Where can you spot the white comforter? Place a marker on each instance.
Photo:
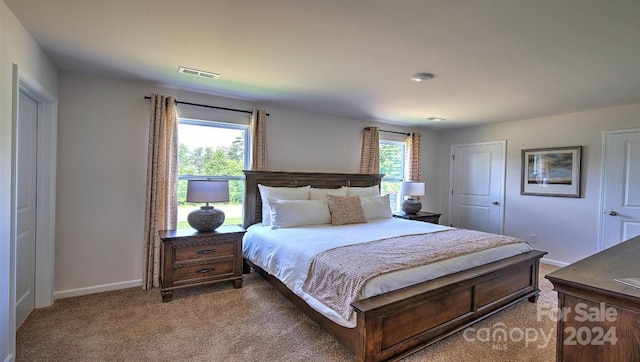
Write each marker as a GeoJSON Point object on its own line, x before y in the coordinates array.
{"type": "Point", "coordinates": [287, 255]}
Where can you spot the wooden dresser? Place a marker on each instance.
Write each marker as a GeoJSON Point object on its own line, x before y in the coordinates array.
{"type": "Point", "coordinates": [601, 319]}
{"type": "Point", "coordinates": [193, 258]}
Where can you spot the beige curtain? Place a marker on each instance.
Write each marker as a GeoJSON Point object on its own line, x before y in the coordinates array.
{"type": "Point", "coordinates": [161, 196]}
{"type": "Point", "coordinates": [413, 157]}
{"type": "Point", "coordinates": [370, 153]}
{"type": "Point", "coordinates": [258, 129]}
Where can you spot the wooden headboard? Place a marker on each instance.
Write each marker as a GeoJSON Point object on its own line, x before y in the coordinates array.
{"type": "Point", "coordinates": [253, 202]}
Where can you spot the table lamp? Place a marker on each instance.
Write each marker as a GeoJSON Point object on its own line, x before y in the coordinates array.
{"type": "Point", "coordinates": [411, 189]}
{"type": "Point", "coordinates": [207, 218]}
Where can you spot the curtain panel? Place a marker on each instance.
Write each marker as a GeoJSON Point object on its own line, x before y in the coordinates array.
{"type": "Point", "coordinates": [370, 152]}
{"type": "Point", "coordinates": [258, 129]}
{"type": "Point", "coordinates": [413, 157]}
{"type": "Point", "coordinates": [162, 182]}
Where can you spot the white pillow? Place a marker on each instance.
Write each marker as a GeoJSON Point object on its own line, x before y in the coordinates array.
{"type": "Point", "coordinates": [370, 191]}
{"type": "Point", "coordinates": [377, 207]}
{"type": "Point", "coordinates": [292, 213]}
{"type": "Point", "coordinates": [321, 194]}
{"type": "Point", "coordinates": [279, 193]}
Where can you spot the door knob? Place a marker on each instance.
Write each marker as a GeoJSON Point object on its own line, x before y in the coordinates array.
{"type": "Point", "coordinates": [496, 203]}
{"type": "Point", "coordinates": [613, 213]}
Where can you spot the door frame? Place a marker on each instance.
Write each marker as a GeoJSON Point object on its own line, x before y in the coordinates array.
{"type": "Point", "coordinates": [45, 189]}
{"type": "Point", "coordinates": [606, 135]}
{"type": "Point", "coordinates": [503, 176]}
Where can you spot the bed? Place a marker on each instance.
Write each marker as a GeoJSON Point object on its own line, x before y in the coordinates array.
{"type": "Point", "coordinates": [396, 323]}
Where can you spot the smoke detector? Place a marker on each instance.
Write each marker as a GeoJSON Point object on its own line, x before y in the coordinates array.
{"type": "Point", "coordinates": [421, 77]}
{"type": "Point", "coordinates": [198, 73]}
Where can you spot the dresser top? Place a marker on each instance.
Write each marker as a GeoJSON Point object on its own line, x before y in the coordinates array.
{"type": "Point", "coordinates": [598, 271]}
{"type": "Point", "coordinates": [180, 233]}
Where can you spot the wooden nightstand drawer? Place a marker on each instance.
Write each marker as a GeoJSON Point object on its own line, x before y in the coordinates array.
{"type": "Point", "coordinates": [211, 250]}
{"type": "Point", "coordinates": [201, 271]}
{"type": "Point", "coordinates": [195, 258]}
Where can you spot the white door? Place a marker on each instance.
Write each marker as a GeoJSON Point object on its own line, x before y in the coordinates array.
{"type": "Point", "coordinates": [26, 207]}
{"type": "Point", "coordinates": [621, 187]}
{"type": "Point", "coordinates": [477, 186]}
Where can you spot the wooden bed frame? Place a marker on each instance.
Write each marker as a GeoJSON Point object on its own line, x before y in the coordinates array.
{"type": "Point", "coordinates": [398, 323]}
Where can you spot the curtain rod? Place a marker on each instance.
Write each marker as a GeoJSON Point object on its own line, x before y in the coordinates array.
{"type": "Point", "coordinates": [396, 132]}
{"type": "Point", "coordinates": [214, 107]}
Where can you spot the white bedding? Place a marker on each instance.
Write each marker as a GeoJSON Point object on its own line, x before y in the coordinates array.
{"type": "Point", "coordinates": [287, 254]}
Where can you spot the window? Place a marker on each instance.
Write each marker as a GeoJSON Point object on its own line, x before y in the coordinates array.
{"type": "Point", "coordinates": [392, 166]}
{"type": "Point", "coordinates": [212, 150]}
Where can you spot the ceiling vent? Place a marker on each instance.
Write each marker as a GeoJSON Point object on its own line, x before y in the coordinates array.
{"type": "Point", "coordinates": [198, 73]}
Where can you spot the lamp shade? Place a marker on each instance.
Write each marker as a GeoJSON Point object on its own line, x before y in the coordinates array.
{"type": "Point", "coordinates": [207, 191]}
{"type": "Point", "coordinates": [412, 189]}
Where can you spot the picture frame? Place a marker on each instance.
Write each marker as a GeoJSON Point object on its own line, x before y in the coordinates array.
{"type": "Point", "coordinates": [551, 171]}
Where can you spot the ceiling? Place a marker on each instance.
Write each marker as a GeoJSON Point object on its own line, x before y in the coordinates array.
{"type": "Point", "coordinates": [493, 60]}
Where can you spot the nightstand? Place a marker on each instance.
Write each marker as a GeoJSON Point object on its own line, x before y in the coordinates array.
{"type": "Point", "coordinates": [191, 258]}
{"type": "Point", "coordinates": [431, 217]}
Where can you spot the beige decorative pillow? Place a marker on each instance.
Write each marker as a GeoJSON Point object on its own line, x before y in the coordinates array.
{"type": "Point", "coordinates": [345, 210]}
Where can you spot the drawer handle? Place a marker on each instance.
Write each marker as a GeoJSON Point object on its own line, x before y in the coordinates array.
{"type": "Point", "coordinates": [206, 251]}
{"type": "Point", "coordinates": [207, 270]}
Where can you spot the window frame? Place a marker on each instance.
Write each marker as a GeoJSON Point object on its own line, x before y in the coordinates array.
{"type": "Point", "coordinates": [386, 178]}
{"type": "Point", "coordinates": [246, 159]}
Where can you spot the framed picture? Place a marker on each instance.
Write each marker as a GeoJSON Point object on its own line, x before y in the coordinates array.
{"type": "Point", "coordinates": [551, 171]}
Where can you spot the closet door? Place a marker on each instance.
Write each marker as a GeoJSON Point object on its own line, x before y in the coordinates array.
{"type": "Point", "coordinates": [26, 207]}
{"type": "Point", "coordinates": [477, 186]}
{"type": "Point", "coordinates": [621, 194]}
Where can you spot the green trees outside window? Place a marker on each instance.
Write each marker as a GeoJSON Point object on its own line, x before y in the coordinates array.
{"type": "Point", "coordinates": [392, 155]}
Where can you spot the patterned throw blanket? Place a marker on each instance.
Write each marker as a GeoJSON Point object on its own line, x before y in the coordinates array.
{"type": "Point", "coordinates": [337, 276]}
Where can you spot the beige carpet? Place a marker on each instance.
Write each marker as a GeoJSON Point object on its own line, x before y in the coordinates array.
{"type": "Point", "coordinates": [254, 323]}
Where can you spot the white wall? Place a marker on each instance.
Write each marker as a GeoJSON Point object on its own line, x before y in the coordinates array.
{"type": "Point", "coordinates": [16, 47]}
{"type": "Point", "coordinates": [565, 227]}
{"type": "Point", "coordinates": [102, 158]}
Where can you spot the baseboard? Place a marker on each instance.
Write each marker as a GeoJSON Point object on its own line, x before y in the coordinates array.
{"type": "Point", "coordinates": [96, 289]}
{"type": "Point", "coordinates": [553, 262]}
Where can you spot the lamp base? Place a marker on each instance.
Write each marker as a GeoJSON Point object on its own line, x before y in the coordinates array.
{"type": "Point", "coordinates": [206, 218]}
{"type": "Point", "coordinates": [411, 206]}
